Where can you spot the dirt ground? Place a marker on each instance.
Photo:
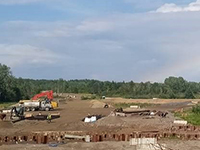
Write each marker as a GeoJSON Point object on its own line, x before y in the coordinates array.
{"type": "Point", "coordinates": [74, 110]}
{"type": "Point", "coordinates": [71, 112]}
{"type": "Point", "coordinates": [171, 144]}
{"type": "Point", "coordinates": [153, 101]}
{"type": "Point", "coordinates": [158, 104]}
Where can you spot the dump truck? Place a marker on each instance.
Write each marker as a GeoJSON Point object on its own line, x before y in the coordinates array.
{"type": "Point", "coordinates": [36, 103]}
{"type": "Point", "coordinates": [30, 105]}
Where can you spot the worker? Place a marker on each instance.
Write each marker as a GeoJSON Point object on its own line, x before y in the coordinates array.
{"type": "Point", "coordinates": [46, 100]}
{"type": "Point", "coordinates": [49, 118]}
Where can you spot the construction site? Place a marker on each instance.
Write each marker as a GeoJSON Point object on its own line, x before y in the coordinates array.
{"type": "Point", "coordinates": [64, 121]}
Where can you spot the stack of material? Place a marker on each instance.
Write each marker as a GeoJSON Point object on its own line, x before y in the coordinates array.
{"type": "Point", "coordinates": [180, 122]}
{"type": "Point", "coordinates": [6, 111]}
{"type": "Point", "coordinates": [28, 115]}
{"type": "Point", "coordinates": [86, 138]}
{"type": "Point", "coordinates": [146, 144]}
{"type": "Point", "coordinates": [135, 107]}
{"type": "Point", "coordinates": [42, 117]}
{"type": "Point", "coordinates": [131, 112]}
{"type": "Point", "coordinates": [92, 118]}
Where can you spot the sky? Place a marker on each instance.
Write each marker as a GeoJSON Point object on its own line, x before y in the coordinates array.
{"type": "Point", "coordinates": [114, 40]}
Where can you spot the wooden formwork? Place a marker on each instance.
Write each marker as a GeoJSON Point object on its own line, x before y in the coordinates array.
{"type": "Point", "coordinates": [181, 132]}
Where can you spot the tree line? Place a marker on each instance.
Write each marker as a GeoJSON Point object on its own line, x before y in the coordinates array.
{"type": "Point", "coordinates": [14, 89]}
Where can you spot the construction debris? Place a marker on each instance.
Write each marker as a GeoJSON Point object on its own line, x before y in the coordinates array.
{"type": "Point", "coordinates": [2, 116]}
{"type": "Point", "coordinates": [161, 114]}
{"type": "Point", "coordinates": [180, 122]}
{"type": "Point", "coordinates": [6, 111]}
{"type": "Point", "coordinates": [85, 138]}
{"type": "Point", "coordinates": [41, 117]}
{"type": "Point", "coordinates": [146, 144]}
{"type": "Point", "coordinates": [143, 141]}
{"type": "Point", "coordinates": [92, 118]}
{"type": "Point", "coordinates": [135, 107]}
{"type": "Point", "coordinates": [140, 112]}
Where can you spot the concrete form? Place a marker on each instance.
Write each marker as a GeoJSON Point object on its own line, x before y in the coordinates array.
{"type": "Point", "coordinates": [181, 132]}
{"type": "Point", "coordinates": [145, 144]}
{"type": "Point", "coordinates": [180, 122]}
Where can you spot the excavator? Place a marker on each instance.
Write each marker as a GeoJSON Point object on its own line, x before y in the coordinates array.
{"type": "Point", "coordinates": [17, 114]}
{"type": "Point", "coordinates": [36, 103]}
{"type": "Point", "coordinates": [48, 94]}
{"type": "Point", "coordinates": [41, 101]}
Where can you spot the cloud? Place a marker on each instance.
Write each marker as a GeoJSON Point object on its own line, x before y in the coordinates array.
{"type": "Point", "coordinates": [167, 8]}
{"type": "Point", "coordinates": [16, 55]}
{"type": "Point", "coordinates": [144, 4]}
{"type": "Point", "coordinates": [99, 26]}
{"type": "Point", "coordinates": [138, 47]}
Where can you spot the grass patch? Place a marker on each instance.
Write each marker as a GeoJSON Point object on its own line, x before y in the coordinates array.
{"type": "Point", "coordinates": [127, 105]}
{"type": "Point", "coordinates": [88, 97]}
{"type": "Point", "coordinates": [6, 105]}
{"type": "Point", "coordinates": [192, 116]}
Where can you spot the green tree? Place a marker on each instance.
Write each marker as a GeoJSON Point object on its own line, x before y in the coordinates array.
{"type": "Point", "coordinates": [189, 94]}
{"type": "Point", "coordinates": [176, 84]}
{"type": "Point", "coordinates": [7, 92]}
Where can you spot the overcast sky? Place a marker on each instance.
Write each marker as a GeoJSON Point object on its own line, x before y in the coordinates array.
{"type": "Point", "coordinates": [116, 40]}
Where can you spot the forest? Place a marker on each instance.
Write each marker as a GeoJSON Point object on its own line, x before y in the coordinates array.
{"type": "Point", "coordinates": [13, 89]}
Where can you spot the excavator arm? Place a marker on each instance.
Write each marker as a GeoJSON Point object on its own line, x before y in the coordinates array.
{"type": "Point", "coordinates": [48, 94]}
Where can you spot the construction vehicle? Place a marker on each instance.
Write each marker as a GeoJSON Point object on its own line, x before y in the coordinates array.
{"type": "Point", "coordinates": [47, 94]}
{"type": "Point", "coordinates": [36, 103]}
{"type": "Point", "coordinates": [17, 113]}
{"type": "Point", "coordinates": [49, 97]}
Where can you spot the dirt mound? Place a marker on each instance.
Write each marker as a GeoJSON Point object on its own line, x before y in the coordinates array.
{"type": "Point", "coordinates": [79, 126]}
{"type": "Point", "coordinates": [110, 121]}
{"type": "Point", "coordinates": [6, 124]}
{"type": "Point", "coordinates": [97, 104]}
